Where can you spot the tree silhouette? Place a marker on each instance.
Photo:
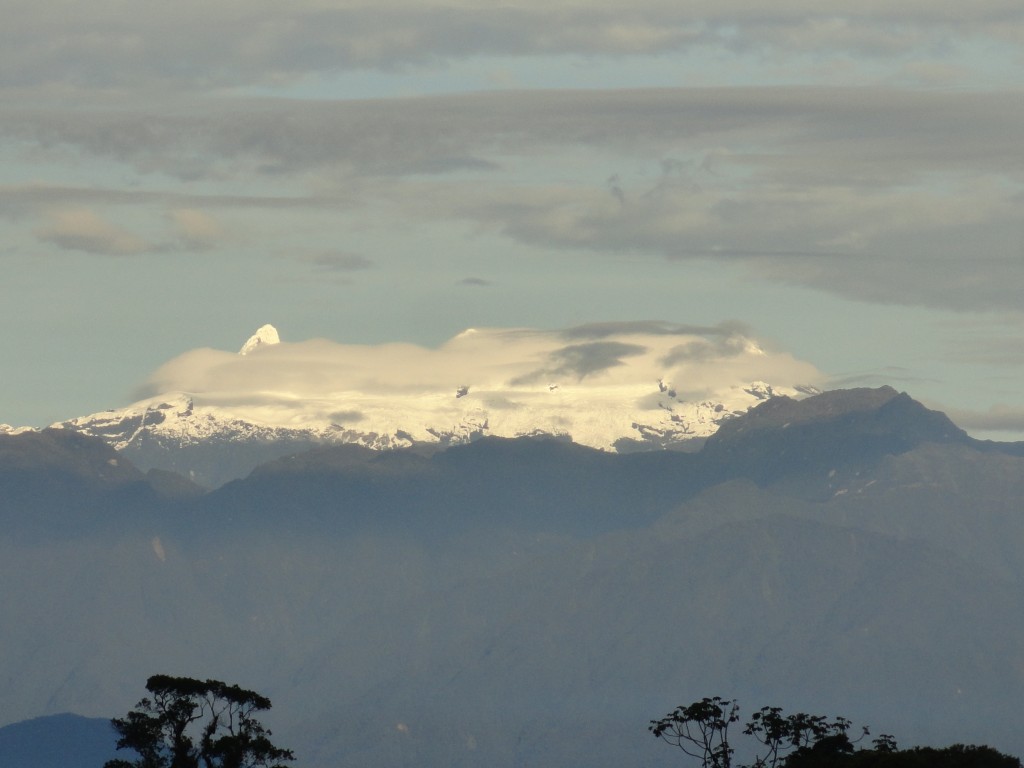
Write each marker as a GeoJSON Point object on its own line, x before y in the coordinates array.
{"type": "Point", "coordinates": [701, 730]}
{"type": "Point", "coordinates": [187, 723]}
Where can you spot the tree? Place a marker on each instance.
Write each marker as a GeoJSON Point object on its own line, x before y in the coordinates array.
{"type": "Point", "coordinates": [187, 723]}
{"type": "Point", "coordinates": [701, 730]}
{"type": "Point", "coordinates": [956, 756]}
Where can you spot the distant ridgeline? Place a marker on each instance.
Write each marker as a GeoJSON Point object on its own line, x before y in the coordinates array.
{"type": "Point", "coordinates": [533, 601]}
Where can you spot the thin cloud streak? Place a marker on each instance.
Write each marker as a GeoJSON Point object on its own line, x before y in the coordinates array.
{"type": "Point", "coordinates": [997, 418]}
{"type": "Point", "coordinates": [81, 229]}
{"type": "Point", "coordinates": [109, 43]}
{"type": "Point", "coordinates": [795, 134]}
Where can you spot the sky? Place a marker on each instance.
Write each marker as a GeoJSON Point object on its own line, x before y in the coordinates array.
{"type": "Point", "coordinates": [843, 180]}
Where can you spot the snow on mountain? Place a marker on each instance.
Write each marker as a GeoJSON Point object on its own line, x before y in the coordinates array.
{"type": "Point", "coordinates": [264, 336]}
{"type": "Point", "coordinates": [7, 429]}
{"type": "Point", "coordinates": [616, 386]}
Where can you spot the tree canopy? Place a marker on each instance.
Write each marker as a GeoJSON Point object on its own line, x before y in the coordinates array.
{"type": "Point", "coordinates": [187, 723]}
{"type": "Point", "coordinates": [701, 730]}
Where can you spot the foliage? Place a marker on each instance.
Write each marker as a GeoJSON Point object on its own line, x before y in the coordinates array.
{"type": "Point", "coordinates": [956, 756]}
{"type": "Point", "coordinates": [701, 730]}
{"type": "Point", "coordinates": [187, 723]}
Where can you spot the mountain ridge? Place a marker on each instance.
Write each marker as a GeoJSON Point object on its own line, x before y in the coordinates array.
{"type": "Point", "coordinates": [534, 601]}
{"type": "Point", "coordinates": [812, 446]}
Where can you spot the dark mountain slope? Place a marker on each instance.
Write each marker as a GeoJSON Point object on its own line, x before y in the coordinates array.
{"type": "Point", "coordinates": [523, 484]}
{"type": "Point", "coordinates": [521, 602]}
{"type": "Point", "coordinates": [36, 459]}
{"type": "Point", "coordinates": [587, 641]}
{"type": "Point", "coordinates": [560, 487]}
{"type": "Point", "coordinates": [58, 741]}
{"type": "Point", "coordinates": [57, 484]}
{"type": "Point", "coordinates": [783, 438]}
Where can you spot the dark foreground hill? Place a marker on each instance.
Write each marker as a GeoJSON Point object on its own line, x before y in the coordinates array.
{"type": "Point", "coordinates": [57, 741]}
{"type": "Point", "coordinates": [536, 603]}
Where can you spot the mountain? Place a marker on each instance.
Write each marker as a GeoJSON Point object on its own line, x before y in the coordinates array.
{"type": "Point", "coordinates": [533, 601]}
{"type": "Point", "coordinates": [58, 741]}
{"type": "Point", "coordinates": [57, 482]}
{"type": "Point", "coordinates": [809, 447]}
{"type": "Point", "coordinates": [784, 438]}
{"type": "Point", "coordinates": [605, 388]}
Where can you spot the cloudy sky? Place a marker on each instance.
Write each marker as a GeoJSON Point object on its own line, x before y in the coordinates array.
{"type": "Point", "coordinates": [843, 179]}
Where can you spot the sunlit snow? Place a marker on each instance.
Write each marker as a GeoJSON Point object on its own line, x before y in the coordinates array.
{"type": "Point", "coordinates": [655, 383]}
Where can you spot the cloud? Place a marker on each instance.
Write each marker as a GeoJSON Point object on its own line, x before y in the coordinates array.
{"type": "Point", "coordinates": [792, 134]}
{"type": "Point", "coordinates": [707, 349]}
{"type": "Point", "coordinates": [998, 418]}
{"type": "Point", "coordinates": [196, 229]}
{"type": "Point", "coordinates": [874, 194]}
{"type": "Point", "coordinates": [19, 200]}
{"type": "Point", "coordinates": [581, 360]}
{"type": "Point", "coordinates": [889, 375]}
{"type": "Point", "coordinates": [889, 245]}
{"type": "Point", "coordinates": [506, 366]}
{"type": "Point", "coordinates": [105, 44]}
{"type": "Point", "coordinates": [989, 347]}
{"type": "Point", "coordinates": [340, 262]}
{"type": "Point", "coordinates": [80, 229]}
{"type": "Point", "coordinates": [653, 328]}
{"type": "Point", "coordinates": [504, 382]}
{"type": "Point", "coordinates": [346, 417]}
{"type": "Point", "coordinates": [475, 282]}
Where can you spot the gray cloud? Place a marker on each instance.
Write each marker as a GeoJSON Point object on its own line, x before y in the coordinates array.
{"type": "Point", "coordinates": [987, 349]}
{"type": "Point", "coordinates": [998, 418]}
{"type": "Point", "coordinates": [19, 200]}
{"type": "Point", "coordinates": [702, 350]}
{"type": "Point", "coordinates": [873, 194]}
{"type": "Point", "coordinates": [653, 328]}
{"type": "Point", "coordinates": [346, 417]}
{"type": "Point", "coordinates": [889, 375]}
{"type": "Point", "coordinates": [787, 135]}
{"type": "Point", "coordinates": [499, 402]}
{"type": "Point", "coordinates": [195, 229]}
{"type": "Point", "coordinates": [475, 282]}
{"type": "Point", "coordinates": [582, 360]}
{"type": "Point", "coordinates": [81, 229]}
{"type": "Point", "coordinates": [341, 262]}
{"type": "Point", "coordinates": [102, 44]}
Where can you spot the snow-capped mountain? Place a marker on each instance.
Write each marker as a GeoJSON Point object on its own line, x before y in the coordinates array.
{"type": "Point", "coordinates": [7, 429]}
{"type": "Point", "coordinates": [618, 387]}
{"type": "Point", "coordinates": [264, 336]}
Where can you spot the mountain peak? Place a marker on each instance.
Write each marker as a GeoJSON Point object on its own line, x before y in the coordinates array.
{"type": "Point", "coordinates": [785, 437]}
{"type": "Point", "coordinates": [265, 336]}
{"type": "Point", "coordinates": [783, 411]}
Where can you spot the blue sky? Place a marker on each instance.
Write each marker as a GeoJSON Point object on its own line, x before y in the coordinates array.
{"type": "Point", "coordinates": [844, 179]}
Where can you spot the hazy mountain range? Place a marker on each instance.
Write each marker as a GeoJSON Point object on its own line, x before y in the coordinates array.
{"type": "Point", "coordinates": [513, 602]}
